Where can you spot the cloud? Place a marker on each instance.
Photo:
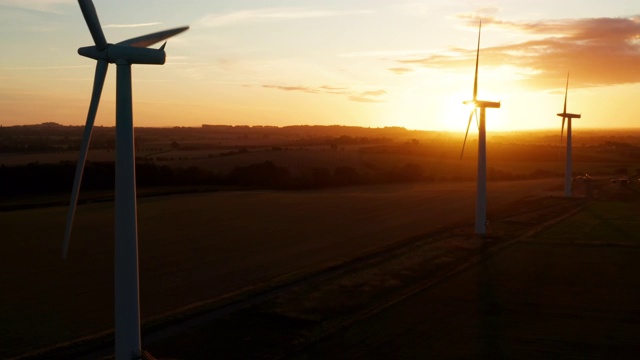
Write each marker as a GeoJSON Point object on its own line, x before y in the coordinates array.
{"type": "Point", "coordinates": [385, 53]}
{"type": "Point", "coordinates": [293, 88]}
{"type": "Point", "coordinates": [363, 99]}
{"type": "Point", "coordinates": [400, 70]}
{"type": "Point", "coordinates": [44, 67]}
{"type": "Point", "coordinates": [598, 51]}
{"type": "Point", "coordinates": [372, 96]}
{"type": "Point", "coordinates": [118, 26]}
{"type": "Point", "coordinates": [374, 93]}
{"type": "Point", "coordinates": [368, 96]}
{"type": "Point", "coordinates": [37, 5]}
{"type": "Point", "coordinates": [275, 14]}
{"type": "Point", "coordinates": [336, 90]}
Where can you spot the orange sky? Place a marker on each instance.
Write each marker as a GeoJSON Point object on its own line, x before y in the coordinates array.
{"type": "Point", "coordinates": [367, 63]}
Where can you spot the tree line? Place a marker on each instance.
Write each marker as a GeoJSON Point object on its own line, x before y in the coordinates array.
{"type": "Point", "coordinates": [36, 178]}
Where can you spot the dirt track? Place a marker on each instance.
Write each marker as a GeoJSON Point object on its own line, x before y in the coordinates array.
{"type": "Point", "coordinates": [198, 247]}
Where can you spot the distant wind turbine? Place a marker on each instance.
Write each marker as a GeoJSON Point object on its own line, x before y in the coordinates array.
{"type": "Point", "coordinates": [481, 187]}
{"type": "Point", "coordinates": [123, 54]}
{"type": "Point", "coordinates": [568, 170]}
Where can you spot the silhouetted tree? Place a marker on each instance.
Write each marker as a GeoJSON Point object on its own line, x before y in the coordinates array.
{"type": "Point", "coordinates": [321, 177]}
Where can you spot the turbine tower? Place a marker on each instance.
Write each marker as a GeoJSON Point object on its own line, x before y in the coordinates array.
{"type": "Point", "coordinates": [568, 169]}
{"type": "Point", "coordinates": [481, 187]}
{"type": "Point", "coordinates": [123, 54]}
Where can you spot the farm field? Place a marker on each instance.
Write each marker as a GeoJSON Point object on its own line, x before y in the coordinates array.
{"type": "Point", "coordinates": [199, 247]}
{"type": "Point", "coordinates": [570, 291]}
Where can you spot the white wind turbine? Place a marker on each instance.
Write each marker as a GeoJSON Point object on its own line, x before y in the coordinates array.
{"type": "Point", "coordinates": [123, 54]}
{"type": "Point", "coordinates": [568, 170]}
{"type": "Point", "coordinates": [481, 187]}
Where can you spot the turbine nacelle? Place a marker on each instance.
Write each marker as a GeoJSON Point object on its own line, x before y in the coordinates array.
{"type": "Point", "coordinates": [483, 103]}
{"type": "Point", "coordinates": [114, 53]}
{"type": "Point", "coordinates": [570, 116]}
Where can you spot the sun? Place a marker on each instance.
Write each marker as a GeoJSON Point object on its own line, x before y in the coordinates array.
{"type": "Point", "coordinates": [434, 101]}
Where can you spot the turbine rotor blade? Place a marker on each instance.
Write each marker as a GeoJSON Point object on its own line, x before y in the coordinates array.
{"type": "Point", "coordinates": [150, 39]}
{"type": "Point", "coordinates": [467, 133]}
{"type": "Point", "coordinates": [475, 111]}
{"type": "Point", "coordinates": [475, 79]}
{"type": "Point", "coordinates": [561, 133]}
{"type": "Point", "coordinates": [101, 73]}
{"type": "Point", "coordinates": [91, 18]}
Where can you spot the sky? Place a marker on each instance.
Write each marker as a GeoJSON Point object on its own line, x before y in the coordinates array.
{"type": "Point", "coordinates": [372, 63]}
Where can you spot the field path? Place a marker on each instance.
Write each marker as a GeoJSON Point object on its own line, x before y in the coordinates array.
{"type": "Point", "coordinates": [197, 247]}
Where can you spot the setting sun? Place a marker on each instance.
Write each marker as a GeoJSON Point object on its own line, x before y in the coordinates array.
{"type": "Point", "coordinates": [312, 66]}
{"type": "Point", "coordinates": [319, 179]}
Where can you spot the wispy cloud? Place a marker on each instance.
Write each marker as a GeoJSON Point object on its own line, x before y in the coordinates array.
{"type": "Point", "coordinates": [372, 96]}
{"type": "Point", "coordinates": [400, 70]}
{"type": "Point", "coordinates": [37, 5]}
{"type": "Point", "coordinates": [275, 14]}
{"type": "Point", "coordinates": [599, 51]}
{"type": "Point", "coordinates": [373, 93]}
{"type": "Point", "coordinates": [385, 53]}
{"type": "Point", "coordinates": [293, 88]}
{"type": "Point", "coordinates": [363, 99]}
{"type": "Point", "coordinates": [44, 67]}
{"type": "Point", "coordinates": [368, 96]}
{"type": "Point", "coordinates": [131, 25]}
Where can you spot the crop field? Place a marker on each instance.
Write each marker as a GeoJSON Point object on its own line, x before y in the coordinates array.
{"type": "Point", "coordinates": [199, 247]}
{"type": "Point", "coordinates": [205, 247]}
{"type": "Point", "coordinates": [568, 292]}
{"type": "Point", "coordinates": [52, 158]}
{"type": "Point", "coordinates": [604, 223]}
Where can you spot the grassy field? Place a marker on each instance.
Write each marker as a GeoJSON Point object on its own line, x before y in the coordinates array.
{"type": "Point", "coordinates": [605, 222]}
{"type": "Point", "coordinates": [203, 246]}
{"type": "Point", "coordinates": [568, 292]}
{"type": "Point", "coordinates": [199, 247]}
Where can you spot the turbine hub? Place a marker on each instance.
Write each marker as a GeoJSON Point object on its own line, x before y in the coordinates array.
{"type": "Point", "coordinates": [569, 115]}
{"type": "Point", "coordinates": [483, 103]}
{"type": "Point", "coordinates": [487, 104]}
{"type": "Point", "coordinates": [92, 52]}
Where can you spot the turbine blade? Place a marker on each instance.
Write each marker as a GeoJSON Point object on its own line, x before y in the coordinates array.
{"type": "Point", "coordinates": [467, 133]}
{"type": "Point", "coordinates": [101, 73]}
{"type": "Point", "coordinates": [475, 79]}
{"type": "Point", "coordinates": [561, 133]}
{"type": "Point", "coordinates": [475, 111]}
{"type": "Point", "coordinates": [91, 18]}
{"type": "Point", "coordinates": [150, 39]}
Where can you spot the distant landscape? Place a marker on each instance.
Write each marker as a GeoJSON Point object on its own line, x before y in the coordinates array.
{"type": "Point", "coordinates": [227, 213]}
{"type": "Point", "coordinates": [299, 157]}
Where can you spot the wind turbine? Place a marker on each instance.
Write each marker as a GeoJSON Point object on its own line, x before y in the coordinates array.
{"type": "Point", "coordinates": [568, 170]}
{"type": "Point", "coordinates": [481, 187]}
{"type": "Point", "coordinates": [123, 54]}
